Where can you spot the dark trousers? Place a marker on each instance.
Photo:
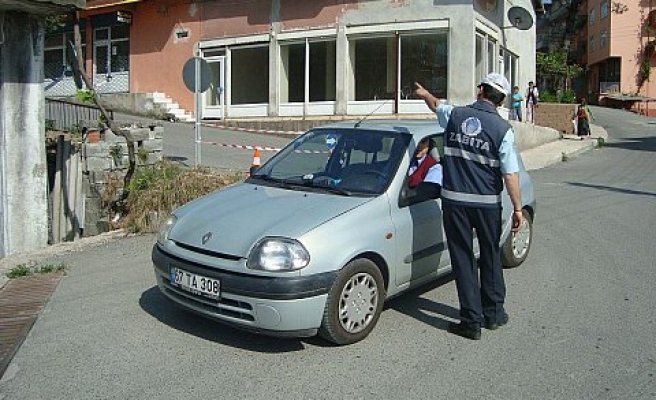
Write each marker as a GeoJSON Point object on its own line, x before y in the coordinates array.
{"type": "Point", "coordinates": [484, 298]}
{"type": "Point", "coordinates": [583, 127]}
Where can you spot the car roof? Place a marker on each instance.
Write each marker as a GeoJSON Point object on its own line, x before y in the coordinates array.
{"type": "Point", "coordinates": [418, 128]}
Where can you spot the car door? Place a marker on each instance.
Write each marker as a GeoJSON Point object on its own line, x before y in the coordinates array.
{"type": "Point", "coordinates": [420, 239]}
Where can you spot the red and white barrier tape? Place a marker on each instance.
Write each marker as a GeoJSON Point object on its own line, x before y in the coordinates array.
{"type": "Point", "coordinates": [263, 148]}
{"type": "Point", "coordinates": [234, 128]}
{"type": "Point", "coordinates": [243, 147]}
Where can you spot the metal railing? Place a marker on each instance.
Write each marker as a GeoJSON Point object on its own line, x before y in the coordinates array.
{"type": "Point", "coordinates": [609, 87]}
{"type": "Point", "coordinates": [66, 115]}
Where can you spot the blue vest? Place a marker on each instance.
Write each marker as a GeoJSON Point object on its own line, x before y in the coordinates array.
{"type": "Point", "coordinates": [472, 166]}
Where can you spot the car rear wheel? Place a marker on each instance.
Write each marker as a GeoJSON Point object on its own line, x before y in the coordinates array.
{"type": "Point", "coordinates": [354, 303]}
{"type": "Point", "coordinates": [517, 245]}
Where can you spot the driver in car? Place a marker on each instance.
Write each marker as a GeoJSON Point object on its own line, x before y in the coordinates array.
{"type": "Point", "coordinates": [425, 172]}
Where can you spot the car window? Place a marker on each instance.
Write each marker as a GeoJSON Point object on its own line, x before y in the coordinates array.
{"type": "Point", "coordinates": [354, 160]}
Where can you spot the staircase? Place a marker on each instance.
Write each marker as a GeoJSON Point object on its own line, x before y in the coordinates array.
{"type": "Point", "coordinates": [172, 108]}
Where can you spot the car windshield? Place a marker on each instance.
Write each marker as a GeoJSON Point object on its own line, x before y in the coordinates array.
{"type": "Point", "coordinates": [345, 161]}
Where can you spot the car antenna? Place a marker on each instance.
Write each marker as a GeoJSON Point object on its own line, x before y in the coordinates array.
{"type": "Point", "coordinates": [357, 124]}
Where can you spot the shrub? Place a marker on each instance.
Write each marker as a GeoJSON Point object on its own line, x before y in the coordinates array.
{"type": "Point", "coordinates": [157, 190]}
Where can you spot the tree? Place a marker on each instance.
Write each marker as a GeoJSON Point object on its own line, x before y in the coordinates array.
{"type": "Point", "coordinates": [557, 70]}
{"type": "Point", "coordinates": [79, 69]}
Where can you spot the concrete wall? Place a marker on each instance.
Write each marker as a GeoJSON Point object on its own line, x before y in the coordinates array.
{"type": "Point", "coordinates": [23, 171]}
{"type": "Point", "coordinates": [555, 115]}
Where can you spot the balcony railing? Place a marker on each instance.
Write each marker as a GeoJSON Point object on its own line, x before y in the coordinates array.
{"type": "Point", "coordinates": [66, 115]}
{"type": "Point", "coordinates": [609, 87]}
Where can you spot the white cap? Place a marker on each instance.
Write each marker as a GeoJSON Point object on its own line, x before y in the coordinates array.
{"type": "Point", "coordinates": [498, 82]}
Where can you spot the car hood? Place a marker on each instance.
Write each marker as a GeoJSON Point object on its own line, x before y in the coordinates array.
{"type": "Point", "coordinates": [240, 215]}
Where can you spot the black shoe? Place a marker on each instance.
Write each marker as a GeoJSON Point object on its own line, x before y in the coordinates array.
{"type": "Point", "coordinates": [492, 325]}
{"type": "Point", "coordinates": [465, 331]}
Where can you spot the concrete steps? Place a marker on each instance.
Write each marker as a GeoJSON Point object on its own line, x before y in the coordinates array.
{"type": "Point", "coordinates": [172, 108]}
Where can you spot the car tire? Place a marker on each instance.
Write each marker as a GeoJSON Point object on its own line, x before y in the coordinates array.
{"type": "Point", "coordinates": [354, 303]}
{"type": "Point", "coordinates": [517, 245]}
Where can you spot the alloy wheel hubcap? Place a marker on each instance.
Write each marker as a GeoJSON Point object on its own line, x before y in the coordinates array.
{"type": "Point", "coordinates": [521, 240]}
{"type": "Point", "coordinates": [358, 302]}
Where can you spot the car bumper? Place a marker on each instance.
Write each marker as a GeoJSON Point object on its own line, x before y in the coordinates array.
{"type": "Point", "coordinates": [270, 305]}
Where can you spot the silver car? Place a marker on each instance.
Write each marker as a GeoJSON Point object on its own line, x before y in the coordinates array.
{"type": "Point", "coordinates": [319, 237]}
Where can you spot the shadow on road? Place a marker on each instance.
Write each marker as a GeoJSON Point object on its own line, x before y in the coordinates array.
{"type": "Point", "coordinates": [611, 189]}
{"type": "Point", "coordinates": [156, 304]}
{"type": "Point", "coordinates": [425, 310]}
{"type": "Point", "coordinates": [647, 143]}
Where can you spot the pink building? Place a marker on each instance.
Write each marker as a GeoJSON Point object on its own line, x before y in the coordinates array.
{"type": "Point", "coordinates": [621, 37]}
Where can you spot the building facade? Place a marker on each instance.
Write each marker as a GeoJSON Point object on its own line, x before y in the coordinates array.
{"type": "Point", "coordinates": [284, 58]}
{"type": "Point", "coordinates": [614, 41]}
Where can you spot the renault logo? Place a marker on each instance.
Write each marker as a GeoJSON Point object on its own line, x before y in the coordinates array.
{"type": "Point", "coordinates": [206, 237]}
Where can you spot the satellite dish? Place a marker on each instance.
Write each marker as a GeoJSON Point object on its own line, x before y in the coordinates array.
{"type": "Point", "coordinates": [520, 18]}
{"type": "Point", "coordinates": [71, 57]}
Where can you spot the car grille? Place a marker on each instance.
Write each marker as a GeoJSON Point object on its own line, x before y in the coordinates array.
{"type": "Point", "coordinates": [223, 307]}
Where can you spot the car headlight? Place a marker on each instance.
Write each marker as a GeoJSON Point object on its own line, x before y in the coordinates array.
{"type": "Point", "coordinates": [278, 254]}
{"type": "Point", "coordinates": [165, 229]}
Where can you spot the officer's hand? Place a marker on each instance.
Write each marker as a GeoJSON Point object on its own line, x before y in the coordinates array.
{"type": "Point", "coordinates": [518, 221]}
{"type": "Point", "coordinates": [420, 91]}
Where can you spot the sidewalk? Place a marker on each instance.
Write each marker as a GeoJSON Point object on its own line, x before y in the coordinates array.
{"type": "Point", "coordinates": [560, 150]}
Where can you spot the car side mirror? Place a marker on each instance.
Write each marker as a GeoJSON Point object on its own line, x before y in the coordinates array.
{"type": "Point", "coordinates": [406, 196]}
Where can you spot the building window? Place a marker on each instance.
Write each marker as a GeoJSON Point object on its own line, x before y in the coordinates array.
{"type": "Point", "coordinates": [421, 57]}
{"type": "Point", "coordinates": [55, 61]}
{"type": "Point", "coordinates": [603, 39]}
{"type": "Point", "coordinates": [112, 49]}
{"type": "Point", "coordinates": [319, 71]}
{"type": "Point", "coordinates": [593, 17]}
{"type": "Point", "coordinates": [424, 59]}
{"type": "Point", "coordinates": [593, 45]}
{"type": "Point", "coordinates": [249, 75]}
{"type": "Point", "coordinates": [374, 68]}
{"type": "Point", "coordinates": [485, 55]}
{"type": "Point", "coordinates": [603, 10]}
{"type": "Point", "coordinates": [510, 65]}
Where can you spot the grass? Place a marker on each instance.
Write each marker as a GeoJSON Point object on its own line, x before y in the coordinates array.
{"type": "Point", "coordinates": [19, 271]}
{"type": "Point", "coordinates": [23, 270]}
{"type": "Point", "coordinates": [157, 190]}
{"type": "Point", "coordinates": [601, 142]}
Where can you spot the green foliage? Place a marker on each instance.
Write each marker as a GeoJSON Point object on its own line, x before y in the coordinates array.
{"type": "Point", "coordinates": [566, 96]}
{"type": "Point", "coordinates": [555, 66]}
{"type": "Point", "coordinates": [50, 268]}
{"type": "Point", "coordinates": [601, 142]}
{"type": "Point", "coordinates": [142, 155]}
{"type": "Point", "coordinates": [85, 95]}
{"type": "Point", "coordinates": [116, 152]}
{"type": "Point", "coordinates": [645, 70]}
{"type": "Point", "coordinates": [19, 271]}
{"type": "Point", "coordinates": [55, 22]}
{"type": "Point", "coordinates": [548, 97]}
{"type": "Point", "coordinates": [157, 190]}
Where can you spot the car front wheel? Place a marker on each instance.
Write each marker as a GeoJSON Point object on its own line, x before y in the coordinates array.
{"type": "Point", "coordinates": [354, 303]}
{"type": "Point", "coordinates": [516, 247]}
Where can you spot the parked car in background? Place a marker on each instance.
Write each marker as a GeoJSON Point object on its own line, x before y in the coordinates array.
{"type": "Point", "coordinates": [319, 237]}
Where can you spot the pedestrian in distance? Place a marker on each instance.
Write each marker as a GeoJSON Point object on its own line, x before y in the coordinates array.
{"type": "Point", "coordinates": [532, 99]}
{"type": "Point", "coordinates": [479, 158]}
{"type": "Point", "coordinates": [583, 116]}
{"type": "Point", "coordinates": [516, 109]}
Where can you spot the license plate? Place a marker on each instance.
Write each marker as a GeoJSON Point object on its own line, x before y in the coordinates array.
{"type": "Point", "coordinates": [197, 284]}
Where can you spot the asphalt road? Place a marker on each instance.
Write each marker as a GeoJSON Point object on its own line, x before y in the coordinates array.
{"type": "Point", "coordinates": [581, 308]}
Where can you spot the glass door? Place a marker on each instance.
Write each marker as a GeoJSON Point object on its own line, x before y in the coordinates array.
{"type": "Point", "coordinates": [213, 99]}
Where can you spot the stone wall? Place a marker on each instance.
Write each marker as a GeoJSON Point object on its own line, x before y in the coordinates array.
{"type": "Point", "coordinates": [556, 115]}
{"type": "Point", "coordinates": [109, 156]}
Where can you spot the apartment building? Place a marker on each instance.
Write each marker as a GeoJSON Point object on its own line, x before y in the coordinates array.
{"type": "Point", "coordinates": [285, 58]}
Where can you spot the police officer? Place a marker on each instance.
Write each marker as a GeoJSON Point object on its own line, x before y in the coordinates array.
{"type": "Point", "coordinates": [479, 157]}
